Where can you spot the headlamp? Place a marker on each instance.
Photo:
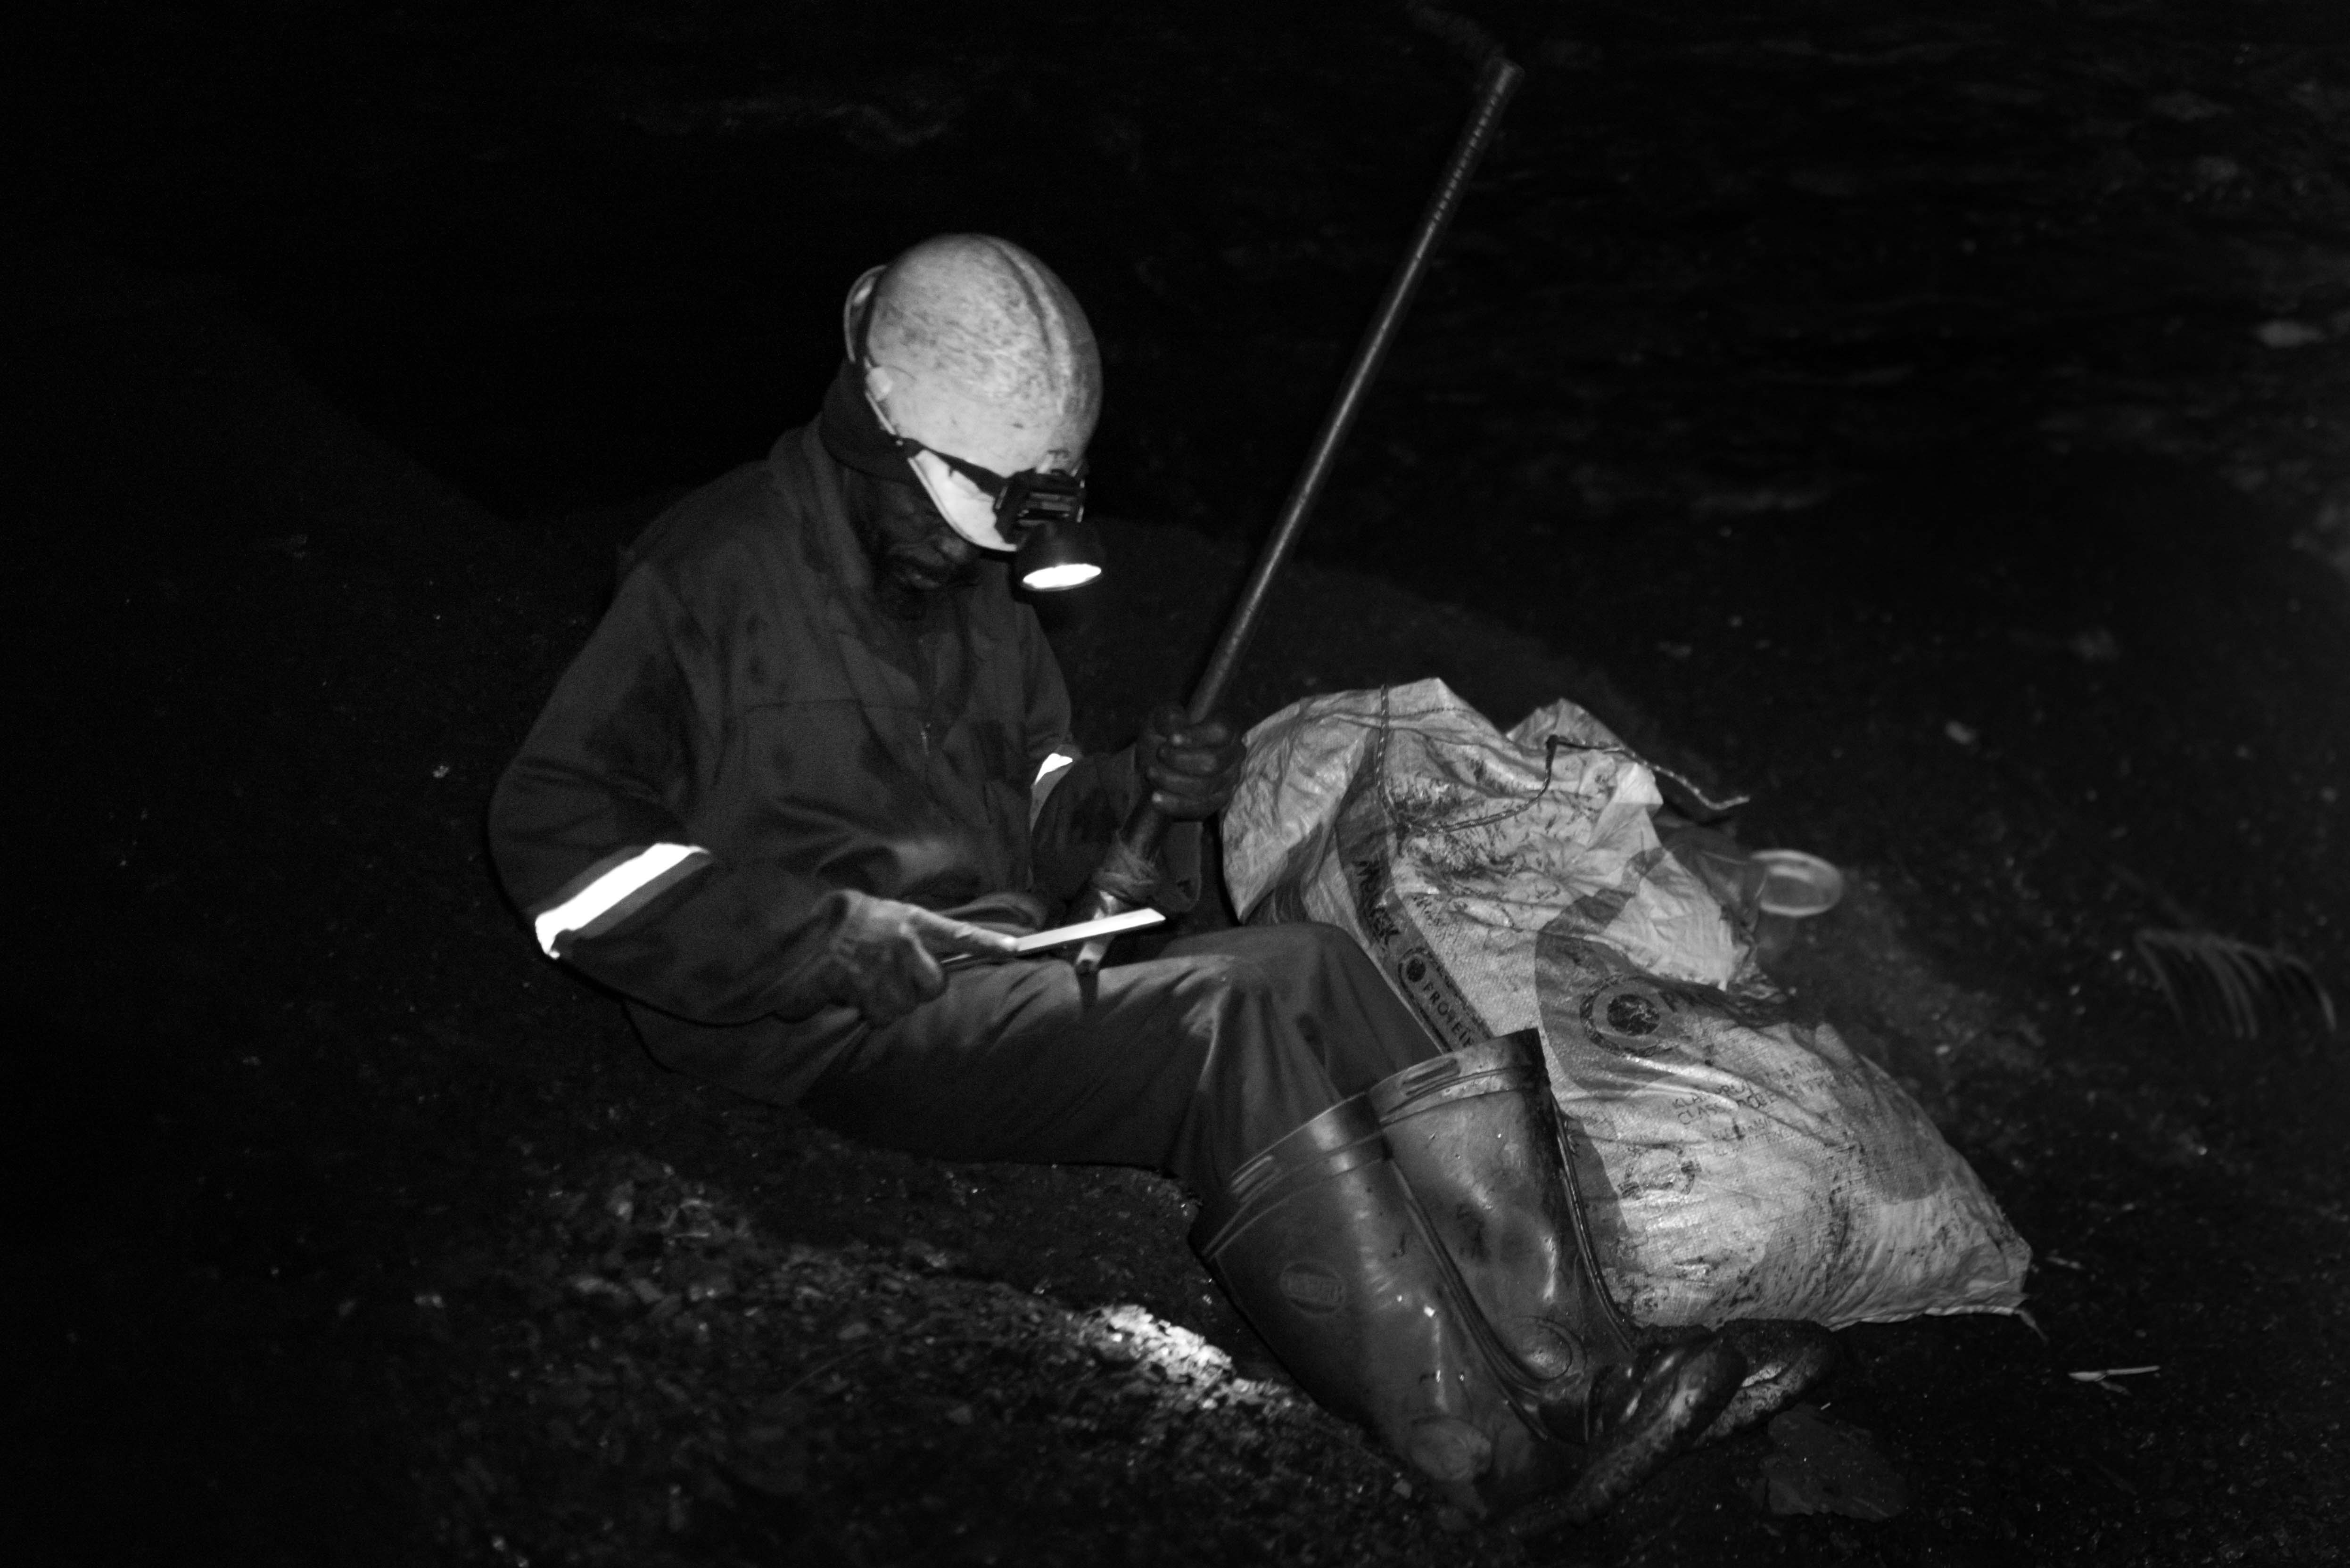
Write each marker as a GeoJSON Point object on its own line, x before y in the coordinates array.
{"type": "Point", "coordinates": [1039, 515]}
{"type": "Point", "coordinates": [1046, 512]}
{"type": "Point", "coordinates": [1042, 515]}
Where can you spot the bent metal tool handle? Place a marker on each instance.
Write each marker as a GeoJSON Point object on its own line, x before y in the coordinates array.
{"type": "Point", "coordinates": [1145, 827]}
{"type": "Point", "coordinates": [1500, 79]}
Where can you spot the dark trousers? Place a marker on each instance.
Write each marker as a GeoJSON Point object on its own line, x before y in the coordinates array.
{"type": "Point", "coordinates": [1189, 1063]}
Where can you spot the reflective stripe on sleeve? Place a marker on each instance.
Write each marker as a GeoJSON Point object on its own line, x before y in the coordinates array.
{"type": "Point", "coordinates": [612, 890]}
{"type": "Point", "coordinates": [1048, 773]}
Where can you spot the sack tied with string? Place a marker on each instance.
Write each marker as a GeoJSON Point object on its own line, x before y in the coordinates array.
{"type": "Point", "coordinates": [1734, 1162]}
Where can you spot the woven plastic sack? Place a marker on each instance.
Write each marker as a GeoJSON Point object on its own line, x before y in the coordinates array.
{"type": "Point", "coordinates": [1735, 1162]}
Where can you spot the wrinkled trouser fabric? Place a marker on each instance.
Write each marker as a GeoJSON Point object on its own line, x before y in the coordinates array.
{"type": "Point", "coordinates": [1189, 1063]}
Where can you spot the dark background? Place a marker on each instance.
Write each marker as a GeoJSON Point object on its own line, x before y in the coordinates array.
{"type": "Point", "coordinates": [1934, 419]}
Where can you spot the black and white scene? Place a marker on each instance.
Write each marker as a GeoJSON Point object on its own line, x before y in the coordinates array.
{"type": "Point", "coordinates": [1452, 783]}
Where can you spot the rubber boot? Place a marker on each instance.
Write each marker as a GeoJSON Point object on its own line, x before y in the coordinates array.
{"type": "Point", "coordinates": [1319, 1244]}
{"type": "Point", "coordinates": [1480, 1142]}
{"type": "Point", "coordinates": [1783, 1357]}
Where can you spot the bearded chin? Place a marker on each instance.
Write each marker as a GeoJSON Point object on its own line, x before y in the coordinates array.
{"type": "Point", "coordinates": [909, 574]}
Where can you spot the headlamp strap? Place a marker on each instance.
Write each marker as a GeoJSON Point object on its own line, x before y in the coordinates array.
{"type": "Point", "coordinates": [1022, 500]}
{"type": "Point", "coordinates": [987, 478]}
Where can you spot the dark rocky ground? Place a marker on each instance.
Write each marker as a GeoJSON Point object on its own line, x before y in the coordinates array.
{"type": "Point", "coordinates": [1932, 418]}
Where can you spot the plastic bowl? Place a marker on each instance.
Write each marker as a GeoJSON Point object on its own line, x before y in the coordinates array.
{"type": "Point", "coordinates": [1798, 885]}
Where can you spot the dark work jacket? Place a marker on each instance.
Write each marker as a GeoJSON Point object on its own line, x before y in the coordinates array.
{"type": "Point", "coordinates": [748, 708]}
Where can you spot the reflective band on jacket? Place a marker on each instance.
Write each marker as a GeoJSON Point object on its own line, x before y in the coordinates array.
{"type": "Point", "coordinates": [1048, 773]}
{"type": "Point", "coordinates": [611, 890]}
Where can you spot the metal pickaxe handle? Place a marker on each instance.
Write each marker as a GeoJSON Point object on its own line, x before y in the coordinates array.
{"type": "Point", "coordinates": [1145, 827]}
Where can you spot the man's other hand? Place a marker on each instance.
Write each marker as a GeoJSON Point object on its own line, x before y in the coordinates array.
{"type": "Point", "coordinates": [883, 959]}
{"type": "Point", "coordinates": [1190, 769]}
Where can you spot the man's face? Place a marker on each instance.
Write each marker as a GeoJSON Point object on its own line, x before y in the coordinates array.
{"type": "Point", "coordinates": [914, 551]}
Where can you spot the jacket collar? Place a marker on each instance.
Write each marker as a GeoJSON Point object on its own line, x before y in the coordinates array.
{"type": "Point", "coordinates": [809, 478]}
